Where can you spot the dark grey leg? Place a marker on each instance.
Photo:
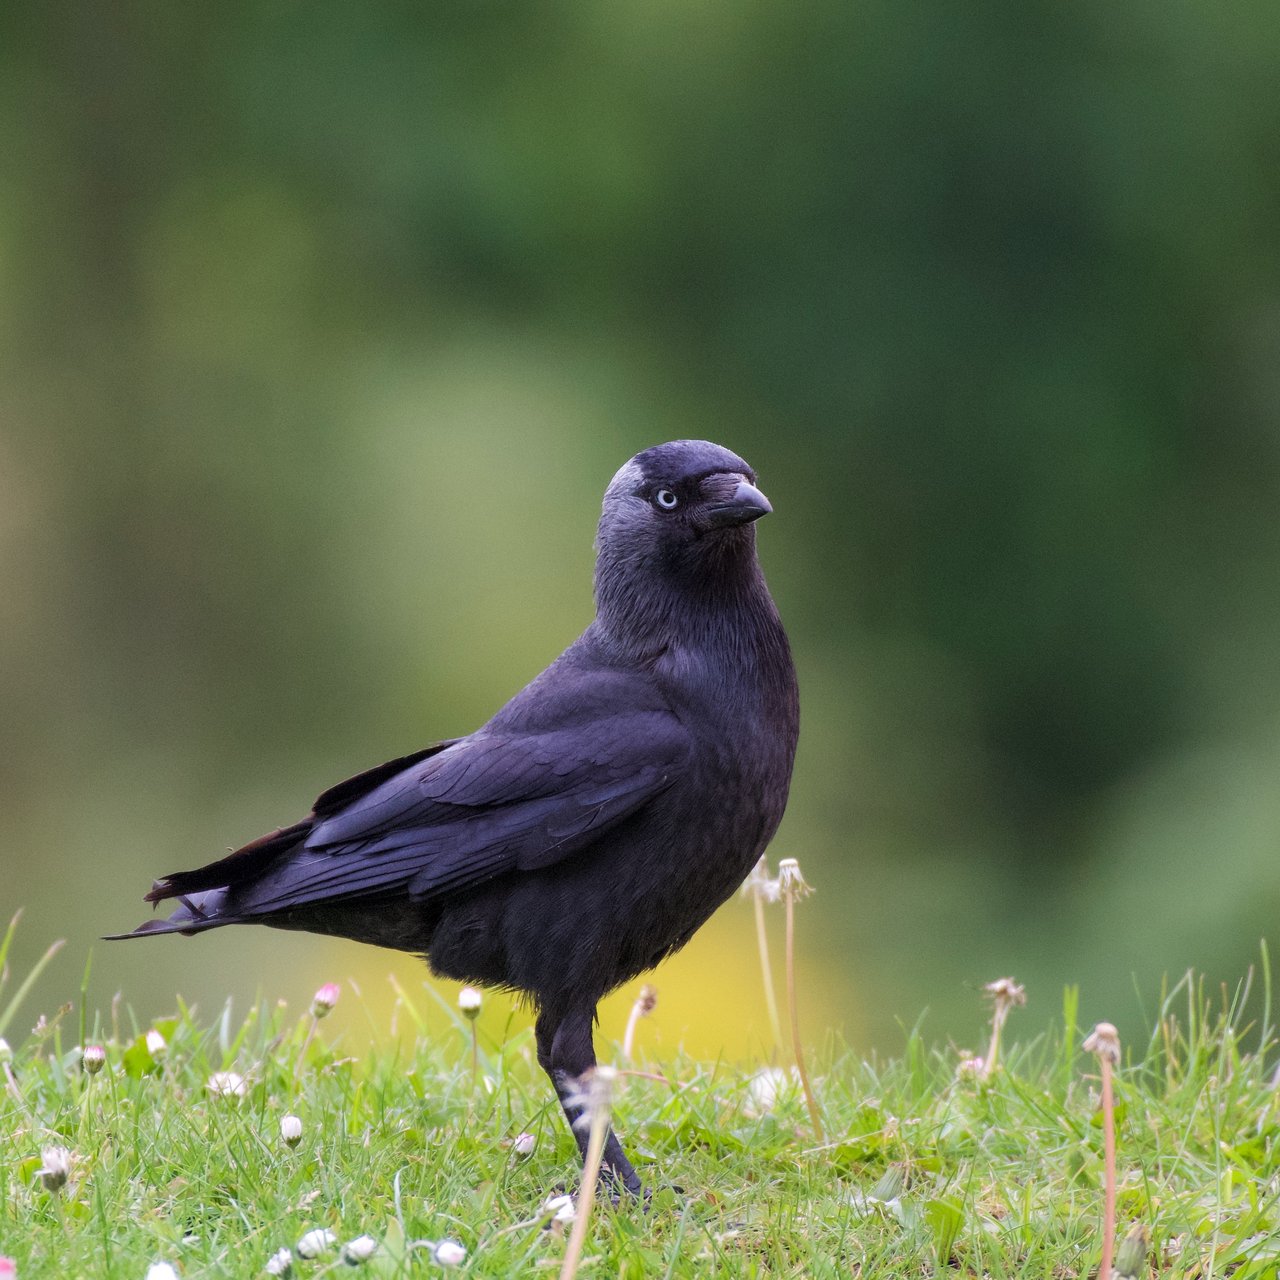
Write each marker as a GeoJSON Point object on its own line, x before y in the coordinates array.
{"type": "Point", "coordinates": [565, 1053]}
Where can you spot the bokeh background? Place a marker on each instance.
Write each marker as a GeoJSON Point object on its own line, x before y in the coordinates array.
{"type": "Point", "coordinates": [322, 328]}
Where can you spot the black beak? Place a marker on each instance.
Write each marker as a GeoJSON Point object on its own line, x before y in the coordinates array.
{"type": "Point", "coordinates": [745, 504]}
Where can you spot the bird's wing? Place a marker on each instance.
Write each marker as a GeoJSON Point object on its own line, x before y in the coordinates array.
{"type": "Point", "coordinates": [488, 804]}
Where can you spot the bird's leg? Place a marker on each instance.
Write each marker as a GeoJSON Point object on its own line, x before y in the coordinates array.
{"type": "Point", "coordinates": [566, 1053]}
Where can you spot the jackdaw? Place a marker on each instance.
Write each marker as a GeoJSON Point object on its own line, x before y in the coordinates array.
{"type": "Point", "coordinates": [586, 831]}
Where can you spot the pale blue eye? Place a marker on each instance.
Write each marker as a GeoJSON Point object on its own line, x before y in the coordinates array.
{"type": "Point", "coordinates": [666, 500]}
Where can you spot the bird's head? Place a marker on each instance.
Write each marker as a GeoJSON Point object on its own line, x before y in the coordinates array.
{"type": "Point", "coordinates": [677, 518]}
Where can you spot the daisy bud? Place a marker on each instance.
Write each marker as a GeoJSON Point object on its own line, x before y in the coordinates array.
{"type": "Point", "coordinates": [280, 1263]}
{"type": "Point", "coordinates": [1131, 1257]}
{"type": "Point", "coordinates": [559, 1208]}
{"type": "Point", "coordinates": [359, 1250]}
{"type": "Point", "coordinates": [768, 1085]}
{"type": "Point", "coordinates": [157, 1048]}
{"type": "Point", "coordinates": [523, 1144]}
{"type": "Point", "coordinates": [8, 1269]}
{"type": "Point", "coordinates": [6, 1054]}
{"type": "Point", "coordinates": [93, 1058]}
{"type": "Point", "coordinates": [449, 1253]}
{"type": "Point", "coordinates": [316, 1242]}
{"type": "Point", "coordinates": [290, 1130]}
{"type": "Point", "coordinates": [161, 1271]}
{"type": "Point", "coordinates": [226, 1084]}
{"type": "Point", "coordinates": [55, 1169]}
{"type": "Point", "coordinates": [323, 1001]}
{"type": "Point", "coordinates": [970, 1068]}
{"type": "Point", "coordinates": [1104, 1040]}
{"type": "Point", "coordinates": [469, 1002]}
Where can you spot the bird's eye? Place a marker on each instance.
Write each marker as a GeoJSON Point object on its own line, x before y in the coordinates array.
{"type": "Point", "coordinates": [665, 499]}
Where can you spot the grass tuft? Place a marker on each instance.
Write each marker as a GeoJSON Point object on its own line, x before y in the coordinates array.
{"type": "Point", "coordinates": [174, 1154]}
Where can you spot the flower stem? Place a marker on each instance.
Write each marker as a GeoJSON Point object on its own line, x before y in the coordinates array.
{"type": "Point", "coordinates": [809, 1099]}
{"type": "Point", "coordinates": [587, 1191]}
{"type": "Point", "coordinates": [1109, 1155]}
{"type": "Point", "coordinates": [766, 969]}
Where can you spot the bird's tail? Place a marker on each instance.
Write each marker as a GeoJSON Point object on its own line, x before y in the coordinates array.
{"type": "Point", "coordinates": [196, 912]}
{"type": "Point", "coordinates": [206, 896]}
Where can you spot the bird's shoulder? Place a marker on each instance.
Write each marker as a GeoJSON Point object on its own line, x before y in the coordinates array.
{"type": "Point", "coordinates": [584, 731]}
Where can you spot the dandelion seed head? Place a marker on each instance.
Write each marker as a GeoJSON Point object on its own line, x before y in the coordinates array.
{"type": "Point", "coordinates": [1104, 1040]}
{"type": "Point", "coordinates": [791, 881]}
{"type": "Point", "coordinates": [1006, 992]}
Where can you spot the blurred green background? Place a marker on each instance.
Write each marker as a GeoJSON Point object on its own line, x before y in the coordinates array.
{"type": "Point", "coordinates": [322, 328]}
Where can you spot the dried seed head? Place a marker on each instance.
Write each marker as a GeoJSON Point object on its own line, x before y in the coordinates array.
{"type": "Point", "coordinates": [291, 1130]}
{"type": "Point", "coordinates": [1104, 1040]}
{"type": "Point", "coordinates": [791, 881]}
{"type": "Point", "coordinates": [1005, 993]}
{"type": "Point", "coordinates": [523, 1144]}
{"type": "Point", "coordinates": [316, 1242]}
{"type": "Point", "coordinates": [647, 1000]}
{"type": "Point", "coordinates": [280, 1263]}
{"type": "Point", "coordinates": [55, 1168]}
{"type": "Point", "coordinates": [469, 1002]}
{"type": "Point", "coordinates": [323, 1001]}
{"type": "Point", "coordinates": [359, 1250]}
{"type": "Point", "coordinates": [759, 885]}
{"type": "Point", "coordinates": [93, 1059]}
{"type": "Point", "coordinates": [157, 1048]}
{"type": "Point", "coordinates": [449, 1253]}
{"type": "Point", "coordinates": [226, 1084]}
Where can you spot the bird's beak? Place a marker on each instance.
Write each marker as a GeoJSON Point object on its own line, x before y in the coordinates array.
{"type": "Point", "coordinates": [742, 503]}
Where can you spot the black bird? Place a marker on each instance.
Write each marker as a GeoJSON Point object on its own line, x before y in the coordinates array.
{"type": "Point", "coordinates": [599, 818]}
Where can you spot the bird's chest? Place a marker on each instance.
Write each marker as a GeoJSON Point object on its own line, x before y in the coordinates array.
{"type": "Point", "coordinates": [743, 725]}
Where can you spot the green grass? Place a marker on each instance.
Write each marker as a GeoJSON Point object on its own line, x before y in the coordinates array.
{"type": "Point", "coordinates": [923, 1173]}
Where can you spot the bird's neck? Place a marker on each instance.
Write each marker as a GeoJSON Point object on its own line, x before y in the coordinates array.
{"type": "Point", "coordinates": [644, 609]}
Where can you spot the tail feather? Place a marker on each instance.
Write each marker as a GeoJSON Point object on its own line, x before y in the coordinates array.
{"type": "Point", "coordinates": [195, 913]}
{"type": "Point", "coordinates": [221, 892]}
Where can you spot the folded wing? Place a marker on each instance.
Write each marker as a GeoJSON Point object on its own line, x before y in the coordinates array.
{"type": "Point", "coordinates": [455, 816]}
